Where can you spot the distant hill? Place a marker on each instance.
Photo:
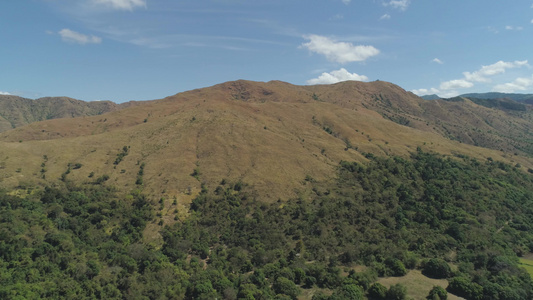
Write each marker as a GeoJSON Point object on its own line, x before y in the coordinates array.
{"type": "Point", "coordinates": [526, 98]}
{"type": "Point", "coordinates": [17, 111]}
{"type": "Point", "coordinates": [272, 135]}
{"type": "Point", "coordinates": [431, 97]}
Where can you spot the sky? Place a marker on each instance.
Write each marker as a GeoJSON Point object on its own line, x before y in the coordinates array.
{"type": "Point", "coordinates": [122, 50]}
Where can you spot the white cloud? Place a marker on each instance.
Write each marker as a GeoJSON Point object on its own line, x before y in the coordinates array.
{"type": "Point", "coordinates": [122, 4]}
{"type": "Point", "coordinates": [346, 1]}
{"type": "Point", "coordinates": [491, 70]}
{"type": "Point", "coordinates": [385, 17]}
{"type": "Point", "coordinates": [340, 52]}
{"type": "Point", "coordinates": [336, 76]}
{"type": "Point", "coordinates": [422, 92]}
{"type": "Point", "coordinates": [68, 35]}
{"type": "Point", "coordinates": [449, 88]}
{"type": "Point", "coordinates": [436, 60]}
{"type": "Point", "coordinates": [456, 84]}
{"type": "Point", "coordinates": [399, 4]}
{"type": "Point", "coordinates": [519, 84]}
{"type": "Point", "coordinates": [4, 93]}
{"type": "Point", "coordinates": [518, 28]}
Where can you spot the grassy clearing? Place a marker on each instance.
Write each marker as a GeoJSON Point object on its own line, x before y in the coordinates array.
{"type": "Point", "coordinates": [418, 285]}
{"type": "Point", "coordinates": [528, 265]}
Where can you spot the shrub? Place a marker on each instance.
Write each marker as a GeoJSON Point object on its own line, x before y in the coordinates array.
{"type": "Point", "coordinates": [285, 286]}
{"type": "Point", "coordinates": [437, 268]}
{"type": "Point", "coordinates": [437, 293]}
{"type": "Point", "coordinates": [377, 291]}
{"type": "Point", "coordinates": [397, 292]}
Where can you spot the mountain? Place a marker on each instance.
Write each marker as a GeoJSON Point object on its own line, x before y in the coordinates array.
{"type": "Point", "coordinates": [17, 111]}
{"type": "Point", "coordinates": [271, 135]}
{"type": "Point", "coordinates": [253, 190]}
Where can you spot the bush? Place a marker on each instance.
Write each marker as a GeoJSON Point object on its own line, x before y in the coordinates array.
{"type": "Point", "coordinates": [463, 287]}
{"type": "Point", "coordinates": [377, 292]}
{"type": "Point", "coordinates": [397, 292]}
{"type": "Point", "coordinates": [437, 293]}
{"type": "Point", "coordinates": [395, 267]}
{"type": "Point", "coordinates": [349, 291]}
{"type": "Point", "coordinates": [285, 286]}
{"type": "Point", "coordinates": [437, 268]}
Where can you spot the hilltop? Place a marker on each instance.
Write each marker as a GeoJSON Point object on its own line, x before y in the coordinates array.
{"type": "Point", "coordinates": [271, 135]}
{"type": "Point", "coordinates": [17, 111]}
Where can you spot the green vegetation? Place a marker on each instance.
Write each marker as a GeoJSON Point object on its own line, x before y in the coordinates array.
{"type": "Point", "coordinates": [121, 155]}
{"type": "Point", "coordinates": [437, 293]}
{"type": "Point", "coordinates": [391, 215]}
{"type": "Point", "coordinates": [527, 264]}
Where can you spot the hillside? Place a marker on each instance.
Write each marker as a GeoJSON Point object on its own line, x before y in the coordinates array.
{"type": "Point", "coordinates": [17, 111]}
{"type": "Point", "coordinates": [251, 190]}
{"type": "Point", "coordinates": [525, 98]}
{"type": "Point", "coordinates": [271, 135]}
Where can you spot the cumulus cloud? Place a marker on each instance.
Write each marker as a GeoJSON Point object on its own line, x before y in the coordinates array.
{"type": "Point", "coordinates": [519, 84]}
{"type": "Point", "coordinates": [449, 88]}
{"type": "Point", "coordinates": [491, 70]}
{"type": "Point", "coordinates": [336, 76]}
{"type": "Point", "coordinates": [436, 60]}
{"type": "Point", "coordinates": [399, 4]}
{"type": "Point", "coordinates": [456, 84]}
{"type": "Point", "coordinates": [340, 52]}
{"type": "Point", "coordinates": [4, 93]}
{"type": "Point", "coordinates": [121, 4]}
{"type": "Point", "coordinates": [422, 92]}
{"type": "Point", "coordinates": [385, 17]}
{"type": "Point", "coordinates": [71, 36]}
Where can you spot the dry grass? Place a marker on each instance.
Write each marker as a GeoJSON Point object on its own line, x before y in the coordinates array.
{"type": "Point", "coordinates": [418, 285]}
{"type": "Point", "coordinates": [270, 135]}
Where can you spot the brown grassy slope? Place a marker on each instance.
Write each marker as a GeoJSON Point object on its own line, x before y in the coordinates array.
{"type": "Point", "coordinates": [509, 131]}
{"type": "Point", "coordinates": [17, 111]}
{"type": "Point", "coordinates": [271, 135]}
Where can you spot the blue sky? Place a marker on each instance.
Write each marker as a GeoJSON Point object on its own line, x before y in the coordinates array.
{"type": "Point", "coordinates": [123, 50]}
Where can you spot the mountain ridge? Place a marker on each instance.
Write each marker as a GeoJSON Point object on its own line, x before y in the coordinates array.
{"type": "Point", "coordinates": [272, 135]}
{"type": "Point", "coordinates": [17, 111]}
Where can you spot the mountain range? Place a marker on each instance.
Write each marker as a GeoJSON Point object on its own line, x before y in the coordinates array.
{"type": "Point", "coordinates": [525, 98]}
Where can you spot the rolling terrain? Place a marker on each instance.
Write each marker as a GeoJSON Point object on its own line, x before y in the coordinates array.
{"type": "Point", "coordinates": [17, 111]}
{"type": "Point", "coordinates": [250, 190]}
{"type": "Point", "coordinates": [270, 135]}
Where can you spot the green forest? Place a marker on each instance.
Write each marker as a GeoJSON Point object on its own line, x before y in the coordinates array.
{"type": "Point", "coordinates": [455, 218]}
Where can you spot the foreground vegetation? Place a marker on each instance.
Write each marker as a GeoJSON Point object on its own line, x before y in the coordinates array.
{"type": "Point", "coordinates": [459, 219]}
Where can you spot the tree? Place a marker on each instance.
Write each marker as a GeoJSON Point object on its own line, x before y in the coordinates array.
{"type": "Point", "coordinates": [463, 287]}
{"type": "Point", "coordinates": [377, 291]}
{"type": "Point", "coordinates": [397, 292]}
{"type": "Point", "coordinates": [349, 292]}
{"type": "Point", "coordinates": [437, 293]}
{"type": "Point", "coordinates": [395, 267]}
{"type": "Point", "coordinates": [285, 286]}
{"type": "Point", "coordinates": [437, 268]}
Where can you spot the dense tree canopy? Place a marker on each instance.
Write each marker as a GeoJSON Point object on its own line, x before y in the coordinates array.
{"type": "Point", "coordinates": [390, 214]}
